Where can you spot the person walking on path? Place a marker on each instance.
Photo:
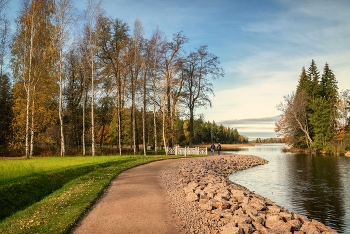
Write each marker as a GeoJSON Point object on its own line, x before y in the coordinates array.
{"type": "Point", "coordinates": [212, 147]}
{"type": "Point", "coordinates": [219, 148]}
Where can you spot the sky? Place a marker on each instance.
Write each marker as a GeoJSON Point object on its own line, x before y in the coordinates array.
{"type": "Point", "coordinates": [262, 46]}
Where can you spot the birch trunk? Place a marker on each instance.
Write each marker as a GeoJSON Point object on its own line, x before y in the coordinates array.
{"type": "Point", "coordinates": [32, 130]}
{"type": "Point", "coordinates": [92, 108]}
{"type": "Point", "coordinates": [29, 84]}
{"type": "Point", "coordinates": [27, 121]}
{"type": "Point", "coordinates": [63, 150]}
{"type": "Point", "coordinates": [119, 115]}
{"type": "Point", "coordinates": [84, 106]}
{"type": "Point", "coordinates": [144, 114]}
{"type": "Point", "coordinates": [155, 127]}
{"type": "Point", "coordinates": [163, 125]}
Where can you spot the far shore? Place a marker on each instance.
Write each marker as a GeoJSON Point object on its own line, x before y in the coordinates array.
{"type": "Point", "coordinates": [226, 147]}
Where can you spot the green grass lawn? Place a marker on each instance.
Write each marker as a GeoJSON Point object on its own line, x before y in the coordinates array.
{"type": "Point", "coordinates": [49, 195]}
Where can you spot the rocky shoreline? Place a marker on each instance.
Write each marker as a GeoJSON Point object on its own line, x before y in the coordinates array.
{"type": "Point", "coordinates": [208, 202]}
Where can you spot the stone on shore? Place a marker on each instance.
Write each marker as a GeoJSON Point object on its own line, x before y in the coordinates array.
{"type": "Point", "coordinates": [208, 202]}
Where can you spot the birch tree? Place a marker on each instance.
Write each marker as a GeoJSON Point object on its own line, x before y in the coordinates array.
{"type": "Point", "coordinates": [112, 40]}
{"type": "Point", "coordinates": [63, 19]}
{"type": "Point", "coordinates": [135, 68]}
{"type": "Point", "coordinates": [155, 44]}
{"type": "Point", "coordinates": [93, 13]}
{"type": "Point", "coordinates": [31, 59]}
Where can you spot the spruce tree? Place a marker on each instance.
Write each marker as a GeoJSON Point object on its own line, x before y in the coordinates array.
{"type": "Point", "coordinates": [5, 110]}
{"type": "Point", "coordinates": [324, 109]}
{"type": "Point", "coordinates": [328, 85]}
{"type": "Point", "coordinates": [304, 83]}
{"type": "Point", "coordinates": [314, 78]}
{"type": "Point", "coordinates": [321, 120]}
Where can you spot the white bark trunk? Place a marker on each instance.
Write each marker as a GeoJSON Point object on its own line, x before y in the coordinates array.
{"type": "Point", "coordinates": [84, 106]}
{"type": "Point", "coordinates": [144, 116]}
{"type": "Point", "coordinates": [32, 130]}
{"type": "Point", "coordinates": [163, 125]}
{"type": "Point", "coordinates": [27, 122]}
{"type": "Point", "coordinates": [155, 127]}
{"type": "Point", "coordinates": [60, 114]}
{"type": "Point", "coordinates": [92, 109]}
{"type": "Point", "coordinates": [29, 84]}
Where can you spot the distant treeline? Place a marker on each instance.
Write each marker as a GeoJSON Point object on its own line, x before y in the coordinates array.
{"type": "Point", "coordinates": [269, 140]}
{"type": "Point", "coordinates": [207, 132]}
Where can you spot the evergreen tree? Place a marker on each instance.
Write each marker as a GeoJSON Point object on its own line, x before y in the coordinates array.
{"type": "Point", "coordinates": [5, 110]}
{"type": "Point", "coordinates": [314, 78]}
{"type": "Point", "coordinates": [324, 109]}
{"type": "Point", "coordinates": [321, 120]}
{"type": "Point", "coordinates": [328, 85]}
{"type": "Point", "coordinates": [304, 83]}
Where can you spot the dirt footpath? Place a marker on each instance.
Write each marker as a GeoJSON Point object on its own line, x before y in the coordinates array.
{"type": "Point", "coordinates": [135, 202]}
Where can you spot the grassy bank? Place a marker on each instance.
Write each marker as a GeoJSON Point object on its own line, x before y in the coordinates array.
{"type": "Point", "coordinates": [49, 195]}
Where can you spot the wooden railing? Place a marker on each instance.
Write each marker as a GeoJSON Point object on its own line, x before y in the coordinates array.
{"type": "Point", "coordinates": [187, 151]}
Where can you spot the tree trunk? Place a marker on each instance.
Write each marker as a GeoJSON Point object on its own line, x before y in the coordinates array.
{"type": "Point", "coordinates": [27, 121]}
{"type": "Point", "coordinates": [32, 130]}
{"type": "Point", "coordinates": [119, 121]}
{"type": "Point", "coordinates": [163, 125]}
{"type": "Point", "coordinates": [92, 100]}
{"type": "Point", "coordinates": [92, 111]}
{"type": "Point", "coordinates": [144, 115]}
{"type": "Point", "coordinates": [63, 150]}
{"type": "Point", "coordinates": [28, 151]}
{"type": "Point", "coordinates": [191, 128]}
{"type": "Point", "coordinates": [84, 106]}
{"type": "Point", "coordinates": [133, 119]}
{"type": "Point", "coordinates": [102, 136]}
{"type": "Point", "coordinates": [155, 127]}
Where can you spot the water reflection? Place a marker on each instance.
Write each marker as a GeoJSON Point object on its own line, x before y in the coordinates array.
{"type": "Point", "coordinates": [314, 185]}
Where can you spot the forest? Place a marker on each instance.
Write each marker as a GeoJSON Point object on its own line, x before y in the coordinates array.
{"type": "Point", "coordinates": [88, 85]}
{"type": "Point", "coordinates": [315, 116]}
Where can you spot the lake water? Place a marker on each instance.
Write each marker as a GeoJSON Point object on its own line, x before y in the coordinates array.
{"type": "Point", "coordinates": [315, 186]}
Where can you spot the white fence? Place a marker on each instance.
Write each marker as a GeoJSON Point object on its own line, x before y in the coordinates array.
{"type": "Point", "coordinates": [187, 151]}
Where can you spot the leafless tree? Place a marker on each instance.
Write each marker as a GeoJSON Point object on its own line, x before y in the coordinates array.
{"type": "Point", "coordinates": [170, 58]}
{"type": "Point", "coordinates": [294, 117]}
{"type": "Point", "coordinates": [198, 68]}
